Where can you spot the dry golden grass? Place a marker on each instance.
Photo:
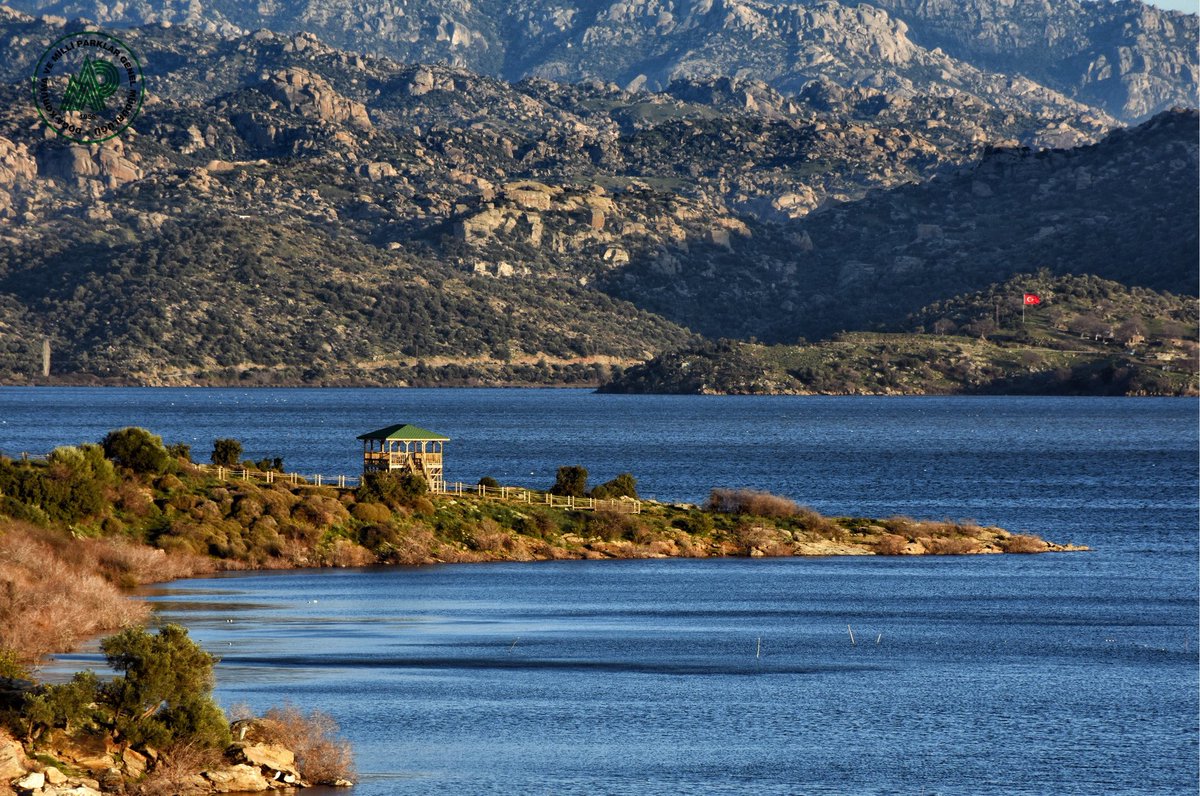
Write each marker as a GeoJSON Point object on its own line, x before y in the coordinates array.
{"type": "Point", "coordinates": [890, 544]}
{"type": "Point", "coordinates": [55, 590]}
{"type": "Point", "coordinates": [177, 770]}
{"type": "Point", "coordinates": [748, 501]}
{"type": "Point", "coordinates": [1021, 543]}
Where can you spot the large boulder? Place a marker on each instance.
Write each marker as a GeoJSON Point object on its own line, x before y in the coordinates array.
{"type": "Point", "coordinates": [275, 761]}
{"type": "Point", "coordinates": [233, 779]}
{"type": "Point", "coordinates": [13, 763]}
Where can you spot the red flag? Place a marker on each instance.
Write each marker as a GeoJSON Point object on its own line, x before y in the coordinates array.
{"type": "Point", "coordinates": [1033, 298]}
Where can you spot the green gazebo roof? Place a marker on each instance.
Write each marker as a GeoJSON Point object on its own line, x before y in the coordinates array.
{"type": "Point", "coordinates": [404, 431]}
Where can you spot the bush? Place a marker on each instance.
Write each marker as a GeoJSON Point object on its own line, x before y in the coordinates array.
{"type": "Point", "coordinates": [11, 666]}
{"type": "Point", "coordinates": [72, 486]}
{"type": "Point", "coordinates": [624, 485]}
{"type": "Point", "coordinates": [371, 512]}
{"type": "Point", "coordinates": [226, 452]}
{"type": "Point", "coordinates": [137, 449]}
{"type": "Point", "coordinates": [65, 705]}
{"type": "Point", "coordinates": [488, 481]}
{"type": "Point", "coordinates": [321, 757]}
{"type": "Point", "coordinates": [889, 544]}
{"type": "Point", "coordinates": [394, 489]}
{"type": "Point", "coordinates": [952, 546]}
{"type": "Point", "coordinates": [748, 501]}
{"type": "Point", "coordinates": [571, 481]}
{"type": "Point", "coordinates": [1021, 543]}
{"type": "Point", "coordinates": [180, 451]}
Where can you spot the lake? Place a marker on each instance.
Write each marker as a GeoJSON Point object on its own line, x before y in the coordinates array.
{"type": "Point", "coordinates": [1070, 673]}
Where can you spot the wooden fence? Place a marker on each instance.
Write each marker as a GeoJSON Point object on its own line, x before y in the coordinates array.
{"type": "Point", "coordinates": [514, 494]}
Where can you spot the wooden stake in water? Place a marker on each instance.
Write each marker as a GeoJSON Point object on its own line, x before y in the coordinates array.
{"type": "Point", "coordinates": [758, 651]}
{"type": "Point", "coordinates": [853, 643]}
{"type": "Point", "coordinates": [878, 638]}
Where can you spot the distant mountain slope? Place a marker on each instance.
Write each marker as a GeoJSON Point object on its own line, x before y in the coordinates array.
{"type": "Point", "coordinates": [1087, 336]}
{"type": "Point", "coordinates": [282, 212]}
{"type": "Point", "coordinates": [1127, 59]}
{"type": "Point", "coordinates": [1125, 209]}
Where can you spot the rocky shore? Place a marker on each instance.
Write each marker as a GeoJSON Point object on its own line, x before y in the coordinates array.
{"type": "Point", "coordinates": [252, 764]}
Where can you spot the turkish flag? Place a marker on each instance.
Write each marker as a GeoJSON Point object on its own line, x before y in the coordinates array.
{"type": "Point", "coordinates": [1033, 298]}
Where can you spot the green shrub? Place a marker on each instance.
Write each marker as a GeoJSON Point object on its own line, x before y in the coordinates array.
{"type": "Point", "coordinates": [570, 481]}
{"type": "Point", "coordinates": [695, 522]}
{"type": "Point", "coordinates": [226, 452]}
{"type": "Point", "coordinates": [392, 489]}
{"type": "Point", "coordinates": [488, 481]}
{"type": "Point", "coordinates": [71, 486]}
{"type": "Point", "coordinates": [137, 449]}
{"type": "Point", "coordinates": [11, 667]}
{"type": "Point", "coordinates": [65, 705]}
{"type": "Point", "coordinates": [180, 451]}
{"type": "Point", "coordinates": [371, 512]}
{"type": "Point", "coordinates": [624, 485]}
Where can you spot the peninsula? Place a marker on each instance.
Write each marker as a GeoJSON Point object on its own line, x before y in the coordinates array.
{"type": "Point", "coordinates": [83, 526]}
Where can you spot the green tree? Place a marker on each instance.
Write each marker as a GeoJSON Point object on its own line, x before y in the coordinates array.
{"type": "Point", "coordinates": [137, 449]}
{"type": "Point", "coordinates": [180, 450]}
{"type": "Point", "coordinates": [571, 481]}
{"type": "Point", "coordinates": [226, 452]}
{"type": "Point", "coordinates": [624, 485]}
{"type": "Point", "coordinates": [164, 693]}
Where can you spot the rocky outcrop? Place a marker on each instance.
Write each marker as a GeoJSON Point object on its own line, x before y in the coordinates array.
{"type": "Point", "coordinates": [253, 763]}
{"type": "Point", "coordinates": [13, 763]}
{"type": "Point", "coordinates": [101, 165]}
{"type": "Point", "coordinates": [310, 95]}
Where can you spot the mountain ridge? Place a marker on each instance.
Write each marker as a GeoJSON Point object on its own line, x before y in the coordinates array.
{"type": "Point", "coordinates": [286, 212]}
{"type": "Point", "coordinates": [1126, 59]}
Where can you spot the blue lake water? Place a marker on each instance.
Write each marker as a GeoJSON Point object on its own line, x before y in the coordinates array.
{"type": "Point", "coordinates": [1072, 673]}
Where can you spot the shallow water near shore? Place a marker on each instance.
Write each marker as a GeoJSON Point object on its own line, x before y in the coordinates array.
{"type": "Point", "coordinates": [1066, 673]}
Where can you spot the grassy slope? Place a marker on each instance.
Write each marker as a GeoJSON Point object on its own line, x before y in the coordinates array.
{"type": "Point", "coordinates": [1089, 336]}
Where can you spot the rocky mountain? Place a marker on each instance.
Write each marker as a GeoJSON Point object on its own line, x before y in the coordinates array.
{"type": "Point", "coordinates": [283, 211]}
{"type": "Point", "coordinates": [1125, 209]}
{"type": "Point", "coordinates": [1127, 57]}
{"type": "Point", "coordinates": [1124, 59]}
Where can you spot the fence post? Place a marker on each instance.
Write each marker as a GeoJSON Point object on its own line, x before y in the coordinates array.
{"type": "Point", "coordinates": [342, 481]}
{"type": "Point", "coordinates": [317, 478]}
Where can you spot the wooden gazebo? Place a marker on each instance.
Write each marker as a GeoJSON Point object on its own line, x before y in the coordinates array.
{"type": "Point", "coordinates": [406, 448]}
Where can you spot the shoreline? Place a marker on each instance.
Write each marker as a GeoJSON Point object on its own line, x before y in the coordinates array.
{"type": "Point", "coordinates": [87, 527]}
